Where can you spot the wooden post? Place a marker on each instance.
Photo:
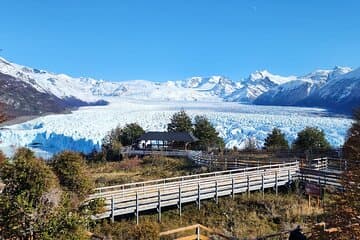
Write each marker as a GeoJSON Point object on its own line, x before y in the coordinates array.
{"type": "Point", "coordinates": [159, 205]}
{"type": "Point", "coordinates": [198, 232]}
{"type": "Point", "coordinates": [180, 200]}
{"type": "Point", "coordinates": [137, 208]}
{"type": "Point", "coordinates": [248, 186]}
{"type": "Point", "coordinates": [112, 209]}
{"type": "Point", "coordinates": [276, 183]}
{"type": "Point", "coordinates": [289, 177]}
{"type": "Point", "coordinates": [232, 188]}
{"type": "Point", "coordinates": [262, 185]}
{"type": "Point", "coordinates": [216, 192]}
{"type": "Point", "coordinates": [198, 198]}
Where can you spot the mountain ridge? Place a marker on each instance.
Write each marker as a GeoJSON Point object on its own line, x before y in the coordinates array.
{"type": "Point", "coordinates": [337, 87]}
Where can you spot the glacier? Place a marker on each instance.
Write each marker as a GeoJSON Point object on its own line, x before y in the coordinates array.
{"type": "Point", "coordinates": [83, 130]}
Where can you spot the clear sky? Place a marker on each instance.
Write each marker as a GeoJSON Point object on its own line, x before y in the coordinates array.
{"type": "Point", "coordinates": [175, 39]}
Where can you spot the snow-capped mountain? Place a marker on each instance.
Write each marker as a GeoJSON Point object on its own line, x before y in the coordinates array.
{"type": "Point", "coordinates": [306, 90]}
{"type": "Point", "coordinates": [27, 90]}
{"type": "Point", "coordinates": [256, 84]}
{"type": "Point", "coordinates": [341, 92]}
{"type": "Point", "coordinates": [215, 85]}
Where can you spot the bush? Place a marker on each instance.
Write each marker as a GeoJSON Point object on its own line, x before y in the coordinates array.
{"type": "Point", "coordinates": [30, 196]}
{"type": "Point", "coordinates": [36, 205]}
{"type": "Point", "coordinates": [73, 173]}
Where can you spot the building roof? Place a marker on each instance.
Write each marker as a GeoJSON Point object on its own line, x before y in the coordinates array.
{"type": "Point", "coordinates": [168, 136]}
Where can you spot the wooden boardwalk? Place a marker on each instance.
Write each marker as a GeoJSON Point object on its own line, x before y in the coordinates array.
{"type": "Point", "coordinates": [134, 198]}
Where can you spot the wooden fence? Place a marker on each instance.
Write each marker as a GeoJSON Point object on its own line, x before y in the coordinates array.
{"type": "Point", "coordinates": [169, 153]}
{"type": "Point", "coordinates": [134, 198]}
{"type": "Point", "coordinates": [198, 232]}
{"type": "Point", "coordinates": [321, 177]}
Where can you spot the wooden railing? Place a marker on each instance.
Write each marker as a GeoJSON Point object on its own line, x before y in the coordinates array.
{"type": "Point", "coordinates": [325, 163]}
{"type": "Point", "coordinates": [321, 177]}
{"type": "Point", "coordinates": [154, 195]}
{"type": "Point", "coordinates": [199, 232]}
{"type": "Point", "coordinates": [221, 162]}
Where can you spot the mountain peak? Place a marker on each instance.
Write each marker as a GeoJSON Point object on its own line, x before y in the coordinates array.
{"type": "Point", "coordinates": [265, 74]}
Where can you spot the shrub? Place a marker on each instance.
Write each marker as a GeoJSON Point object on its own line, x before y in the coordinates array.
{"type": "Point", "coordinates": [30, 196]}
{"type": "Point", "coordinates": [73, 173]}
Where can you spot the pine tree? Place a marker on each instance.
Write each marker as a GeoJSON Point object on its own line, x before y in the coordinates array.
{"type": "Point", "coordinates": [180, 122]}
{"type": "Point", "coordinates": [207, 134]}
{"type": "Point", "coordinates": [310, 138]}
{"type": "Point", "coordinates": [276, 140]}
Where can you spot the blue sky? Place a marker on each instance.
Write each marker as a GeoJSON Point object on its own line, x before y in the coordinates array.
{"type": "Point", "coordinates": [174, 39]}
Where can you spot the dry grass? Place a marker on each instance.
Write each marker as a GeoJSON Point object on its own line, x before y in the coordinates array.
{"type": "Point", "coordinates": [241, 217]}
{"type": "Point", "coordinates": [135, 169]}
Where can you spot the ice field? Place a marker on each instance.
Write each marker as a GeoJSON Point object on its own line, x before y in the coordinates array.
{"type": "Point", "coordinates": [83, 130]}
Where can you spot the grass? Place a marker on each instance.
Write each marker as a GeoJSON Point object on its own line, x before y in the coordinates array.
{"type": "Point", "coordinates": [135, 169]}
{"type": "Point", "coordinates": [242, 217]}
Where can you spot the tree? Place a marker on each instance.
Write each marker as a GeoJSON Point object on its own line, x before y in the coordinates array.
{"type": "Point", "coordinates": [3, 117]}
{"type": "Point", "coordinates": [311, 138]}
{"type": "Point", "coordinates": [344, 211]}
{"type": "Point", "coordinates": [35, 205]}
{"type": "Point", "coordinates": [352, 144]}
{"type": "Point", "coordinates": [2, 158]}
{"type": "Point", "coordinates": [130, 133]}
{"type": "Point", "coordinates": [30, 195]}
{"type": "Point", "coordinates": [276, 140]}
{"type": "Point", "coordinates": [72, 171]}
{"type": "Point", "coordinates": [111, 145]}
{"type": "Point", "coordinates": [207, 134]}
{"type": "Point", "coordinates": [250, 144]}
{"type": "Point", "coordinates": [180, 122]}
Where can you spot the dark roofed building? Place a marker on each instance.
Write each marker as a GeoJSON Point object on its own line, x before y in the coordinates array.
{"type": "Point", "coordinates": [165, 140]}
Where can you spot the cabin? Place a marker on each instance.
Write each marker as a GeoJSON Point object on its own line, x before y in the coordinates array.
{"type": "Point", "coordinates": [165, 141]}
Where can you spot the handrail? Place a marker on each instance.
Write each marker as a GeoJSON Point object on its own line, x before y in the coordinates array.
{"type": "Point", "coordinates": [196, 227]}
{"type": "Point", "coordinates": [187, 177]}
